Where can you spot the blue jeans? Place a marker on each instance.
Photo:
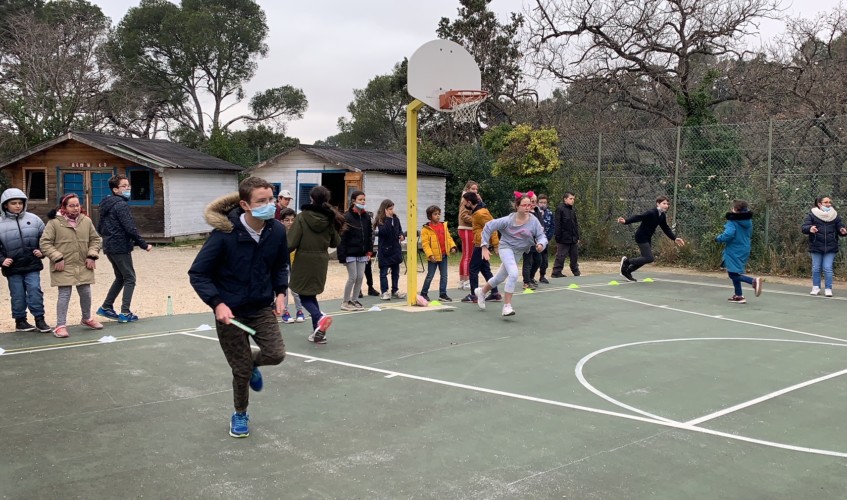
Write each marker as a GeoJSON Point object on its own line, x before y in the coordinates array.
{"type": "Point", "coordinates": [395, 277]}
{"type": "Point", "coordinates": [737, 278]}
{"type": "Point", "coordinates": [824, 260]}
{"type": "Point", "coordinates": [430, 273]}
{"type": "Point", "coordinates": [25, 290]}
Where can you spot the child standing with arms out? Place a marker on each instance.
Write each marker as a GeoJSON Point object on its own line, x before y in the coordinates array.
{"type": "Point", "coordinates": [286, 215]}
{"type": "Point", "coordinates": [390, 252]}
{"type": "Point", "coordinates": [519, 232]}
{"type": "Point", "coordinates": [315, 230]}
{"type": "Point", "coordinates": [650, 220]}
{"type": "Point", "coordinates": [736, 237]}
{"type": "Point", "coordinates": [72, 245]}
{"type": "Point", "coordinates": [20, 258]}
{"type": "Point", "coordinates": [437, 243]}
{"type": "Point", "coordinates": [242, 274]}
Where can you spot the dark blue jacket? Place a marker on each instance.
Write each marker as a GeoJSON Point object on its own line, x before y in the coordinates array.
{"type": "Point", "coordinates": [390, 250]}
{"type": "Point", "coordinates": [233, 269]}
{"type": "Point", "coordinates": [650, 220]}
{"type": "Point", "coordinates": [116, 226]}
{"type": "Point", "coordinates": [826, 239]}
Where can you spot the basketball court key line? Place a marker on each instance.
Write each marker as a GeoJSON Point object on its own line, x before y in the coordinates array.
{"type": "Point", "coordinates": [598, 411]}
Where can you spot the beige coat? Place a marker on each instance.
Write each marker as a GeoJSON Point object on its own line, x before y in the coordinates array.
{"type": "Point", "coordinates": [62, 242]}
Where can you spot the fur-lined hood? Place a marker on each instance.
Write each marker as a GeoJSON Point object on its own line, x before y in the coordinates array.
{"type": "Point", "coordinates": [218, 212]}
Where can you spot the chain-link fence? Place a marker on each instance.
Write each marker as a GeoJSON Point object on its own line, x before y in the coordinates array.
{"type": "Point", "coordinates": [779, 167]}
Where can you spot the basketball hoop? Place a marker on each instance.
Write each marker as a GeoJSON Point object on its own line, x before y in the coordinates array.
{"type": "Point", "coordinates": [462, 104]}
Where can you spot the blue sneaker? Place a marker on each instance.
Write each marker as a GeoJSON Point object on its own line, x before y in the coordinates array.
{"type": "Point", "coordinates": [256, 380]}
{"type": "Point", "coordinates": [126, 318]}
{"type": "Point", "coordinates": [300, 317]}
{"type": "Point", "coordinates": [286, 318]}
{"type": "Point", "coordinates": [108, 313]}
{"type": "Point", "coordinates": [238, 425]}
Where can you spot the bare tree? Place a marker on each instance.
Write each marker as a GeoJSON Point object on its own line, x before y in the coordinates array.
{"type": "Point", "coordinates": [656, 56]}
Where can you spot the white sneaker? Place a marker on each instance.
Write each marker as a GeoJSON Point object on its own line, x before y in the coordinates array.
{"type": "Point", "coordinates": [398, 295]}
{"type": "Point", "coordinates": [348, 306]}
{"type": "Point", "coordinates": [815, 290]}
{"type": "Point", "coordinates": [480, 297]}
{"type": "Point", "coordinates": [385, 296]}
{"type": "Point", "coordinates": [507, 310]}
{"type": "Point", "coordinates": [828, 292]}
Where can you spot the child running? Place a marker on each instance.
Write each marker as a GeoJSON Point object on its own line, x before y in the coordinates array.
{"type": "Point", "coordinates": [314, 231]}
{"type": "Point", "coordinates": [650, 220]}
{"type": "Point", "coordinates": [519, 232]}
{"type": "Point", "coordinates": [736, 236]}
{"type": "Point", "coordinates": [437, 243]}
{"type": "Point", "coordinates": [242, 274]}
{"type": "Point", "coordinates": [390, 252]}
{"type": "Point", "coordinates": [72, 245]}
{"type": "Point", "coordinates": [286, 216]}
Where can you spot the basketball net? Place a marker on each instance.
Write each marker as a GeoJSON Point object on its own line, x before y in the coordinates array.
{"type": "Point", "coordinates": [462, 105]}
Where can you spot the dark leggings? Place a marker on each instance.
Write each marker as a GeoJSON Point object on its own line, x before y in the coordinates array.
{"type": "Point", "coordinates": [531, 263]}
{"type": "Point", "coordinates": [737, 278]}
{"type": "Point", "coordinates": [646, 257]}
{"type": "Point", "coordinates": [310, 303]}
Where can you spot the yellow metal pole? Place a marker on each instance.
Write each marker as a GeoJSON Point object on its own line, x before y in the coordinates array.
{"type": "Point", "coordinates": [412, 196]}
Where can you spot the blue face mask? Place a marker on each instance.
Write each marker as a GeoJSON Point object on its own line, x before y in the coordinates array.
{"type": "Point", "coordinates": [826, 209]}
{"type": "Point", "coordinates": [265, 212]}
{"type": "Point", "coordinates": [360, 206]}
{"type": "Point", "coordinates": [126, 194]}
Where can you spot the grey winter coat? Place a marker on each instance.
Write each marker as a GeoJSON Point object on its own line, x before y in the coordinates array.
{"type": "Point", "coordinates": [19, 236]}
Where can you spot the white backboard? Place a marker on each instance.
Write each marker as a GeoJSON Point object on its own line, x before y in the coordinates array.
{"type": "Point", "coordinates": [438, 66]}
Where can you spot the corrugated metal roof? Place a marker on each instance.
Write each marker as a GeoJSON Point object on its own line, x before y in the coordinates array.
{"type": "Point", "coordinates": [365, 160]}
{"type": "Point", "coordinates": [153, 153]}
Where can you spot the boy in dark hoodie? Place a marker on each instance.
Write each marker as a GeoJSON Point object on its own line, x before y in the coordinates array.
{"type": "Point", "coordinates": [242, 274]}
{"type": "Point", "coordinates": [20, 258]}
{"type": "Point", "coordinates": [736, 236]}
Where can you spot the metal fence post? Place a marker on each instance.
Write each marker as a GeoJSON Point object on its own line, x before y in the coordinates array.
{"type": "Point", "coordinates": [676, 176]}
{"type": "Point", "coordinates": [768, 193]}
{"type": "Point", "coordinates": [599, 163]}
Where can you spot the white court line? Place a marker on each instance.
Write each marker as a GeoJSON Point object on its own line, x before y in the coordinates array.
{"type": "Point", "coordinates": [780, 292]}
{"type": "Point", "coordinates": [760, 399]}
{"type": "Point", "coordinates": [580, 366]}
{"type": "Point", "coordinates": [671, 424]}
{"type": "Point", "coordinates": [712, 316]}
{"type": "Point", "coordinates": [95, 343]}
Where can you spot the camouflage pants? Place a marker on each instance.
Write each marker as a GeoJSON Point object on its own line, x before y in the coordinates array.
{"type": "Point", "coordinates": [241, 358]}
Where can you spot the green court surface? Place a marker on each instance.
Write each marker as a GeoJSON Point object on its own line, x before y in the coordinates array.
{"type": "Point", "coordinates": [656, 389]}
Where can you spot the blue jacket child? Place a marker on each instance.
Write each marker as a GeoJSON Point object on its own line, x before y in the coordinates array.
{"type": "Point", "coordinates": [736, 236]}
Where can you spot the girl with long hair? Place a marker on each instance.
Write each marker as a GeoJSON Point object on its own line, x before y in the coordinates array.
{"type": "Point", "coordinates": [390, 253]}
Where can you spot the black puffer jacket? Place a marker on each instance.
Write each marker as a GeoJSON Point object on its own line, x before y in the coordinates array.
{"type": "Point", "coordinates": [390, 249]}
{"type": "Point", "coordinates": [358, 239]}
{"type": "Point", "coordinates": [116, 226]}
{"type": "Point", "coordinates": [19, 236]}
{"type": "Point", "coordinates": [829, 226]}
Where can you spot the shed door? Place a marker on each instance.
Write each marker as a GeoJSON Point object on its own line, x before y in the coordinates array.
{"type": "Point", "coordinates": [89, 186]}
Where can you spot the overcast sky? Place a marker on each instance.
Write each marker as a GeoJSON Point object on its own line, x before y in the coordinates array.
{"type": "Point", "coordinates": [330, 47]}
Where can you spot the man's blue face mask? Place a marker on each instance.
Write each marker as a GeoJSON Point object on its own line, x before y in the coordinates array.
{"type": "Point", "coordinates": [126, 194]}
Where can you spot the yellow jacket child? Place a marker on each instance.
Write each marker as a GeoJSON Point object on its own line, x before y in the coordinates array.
{"type": "Point", "coordinates": [430, 241]}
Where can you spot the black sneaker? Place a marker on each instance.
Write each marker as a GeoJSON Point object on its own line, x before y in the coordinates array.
{"type": "Point", "coordinates": [425, 297]}
{"type": "Point", "coordinates": [626, 273]}
{"type": "Point", "coordinates": [624, 266]}
{"type": "Point", "coordinates": [22, 325]}
{"type": "Point", "coordinates": [372, 292]}
{"type": "Point", "coordinates": [559, 275]}
{"type": "Point", "coordinates": [361, 295]}
{"type": "Point", "coordinates": [494, 297]}
{"type": "Point", "coordinates": [469, 298]}
{"type": "Point", "coordinates": [576, 273]}
{"type": "Point", "coordinates": [544, 280]}
{"type": "Point", "coordinates": [533, 282]}
{"type": "Point", "coordinates": [445, 298]}
{"type": "Point", "coordinates": [42, 325]}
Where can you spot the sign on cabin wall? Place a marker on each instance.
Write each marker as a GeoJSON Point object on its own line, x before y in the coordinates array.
{"type": "Point", "coordinates": [87, 164]}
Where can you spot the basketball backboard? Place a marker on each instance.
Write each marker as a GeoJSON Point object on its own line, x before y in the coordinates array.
{"type": "Point", "coordinates": [438, 66]}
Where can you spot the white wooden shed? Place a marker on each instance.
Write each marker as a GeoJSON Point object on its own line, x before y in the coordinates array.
{"type": "Point", "coordinates": [380, 174]}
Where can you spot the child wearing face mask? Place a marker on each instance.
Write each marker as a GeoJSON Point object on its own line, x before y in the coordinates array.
{"type": "Point", "coordinates": [242, 274]}
{"type": "Point", "coordinates": [72, 245]}
{"type": "Point", "coordinates": [355, 249]}
{"type": "Point", "coordinates": [824, 227]}
{"type": "Point", "coordinates": [120, 236]}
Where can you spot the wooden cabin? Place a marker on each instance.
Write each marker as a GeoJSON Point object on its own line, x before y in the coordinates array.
{"type": "Point", "coordinates": [171, 184]}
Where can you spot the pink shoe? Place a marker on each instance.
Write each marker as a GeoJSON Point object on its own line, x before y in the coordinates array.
{"type": "Point", "coordinates": [92, 323]}
{"type": "Point", "coordinates": [61, 332]}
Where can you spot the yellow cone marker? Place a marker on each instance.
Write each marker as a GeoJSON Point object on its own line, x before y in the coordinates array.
{"type": "Point", "coordinates": [528, 290]}
{"type": "Point", "coordinates": [613, 282]}
{"type": "Point", "coordinates": [434, 303]}
{"type": "Point", "coordinates": [647, 280]}
{"type": "Point", "coordinates": [573, 286]}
